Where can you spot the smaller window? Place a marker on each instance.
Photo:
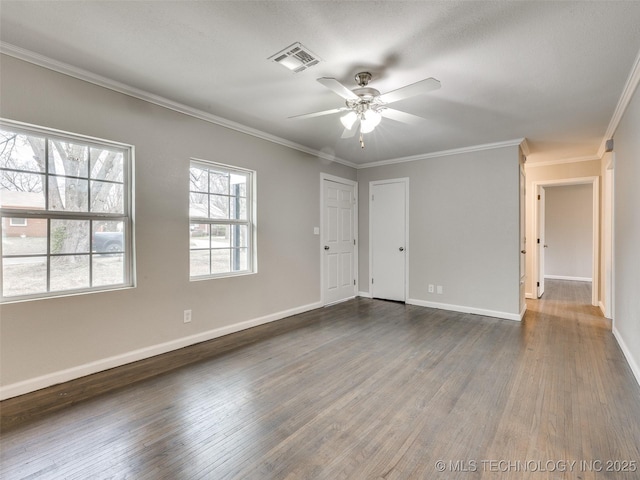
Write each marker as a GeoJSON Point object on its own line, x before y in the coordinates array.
{"type": "Point", "coordinates": [18, 222]}
{"type": "Point", "coordinates": [221, 215]}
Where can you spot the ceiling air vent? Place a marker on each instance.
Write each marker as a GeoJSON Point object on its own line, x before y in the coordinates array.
{"type": "Point", "coordinates": [296, 58]}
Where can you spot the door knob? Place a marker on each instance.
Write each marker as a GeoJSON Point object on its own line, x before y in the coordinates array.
{"type": "Point", "coordinates": [401, 249]}
{"type": "Point", "coordinates": [326, 247]}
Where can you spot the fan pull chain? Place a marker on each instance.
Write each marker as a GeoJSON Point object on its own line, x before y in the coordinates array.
{"type": "Point", "coordinates": [361, 141]}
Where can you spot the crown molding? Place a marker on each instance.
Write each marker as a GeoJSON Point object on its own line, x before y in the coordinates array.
{"type": "Point", "coordinates": [547, 163]}
{"type": "Point", "coordinates": [627, 93]}
{"type": "Point", "coordinates": [444, 153]}
{"type": "Point", "coordinates": [81, 74]}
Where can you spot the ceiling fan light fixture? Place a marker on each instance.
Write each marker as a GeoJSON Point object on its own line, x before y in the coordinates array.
{"type": "Point", "coordinates": [369, 121]}
{"type": "Point", "coordinates": [349, 119]}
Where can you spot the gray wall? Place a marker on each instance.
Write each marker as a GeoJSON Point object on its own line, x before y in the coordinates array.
{"type": "Point", "coordinates": [44, 337]}
{"type": "Point", "coordinates": [569, 231]}
{"type": "Point", "coordinates": [626, 320]}
{"type": "Point", "coordinates": [463, 228]}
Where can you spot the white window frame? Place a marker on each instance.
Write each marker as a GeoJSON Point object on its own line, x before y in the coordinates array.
{"type": "Point", "coordinates": [250, 222]}
{"type": "Point", "coordinates": [17, 222]}
{"type": "Point", "coordinates": [48, 215]}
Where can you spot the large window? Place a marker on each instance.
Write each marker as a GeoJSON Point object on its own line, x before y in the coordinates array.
{"type": "Point", "coordinates": [221, 220]}
{"type": "Point", "coordinates": [65, 204]}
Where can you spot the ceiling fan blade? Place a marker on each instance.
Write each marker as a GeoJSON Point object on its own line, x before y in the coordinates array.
{"type": "Point", "coordinates": [418, 88]}
{"type": "Point", "coordinates": [319, 114]}
{"type": "Point", "coordinates": [337, 87]}
{"type": "Point", "coordinates": [400, 116]}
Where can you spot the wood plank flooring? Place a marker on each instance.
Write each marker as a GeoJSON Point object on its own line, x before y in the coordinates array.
{"type": "Point", "coordinates": [366, 389]}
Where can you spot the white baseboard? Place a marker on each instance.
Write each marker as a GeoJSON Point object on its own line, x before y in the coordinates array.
{"type": "Point", "coordinates": [524, 310]}
{"type": "Point", "coordinates": [464, 309]}
{"type": "Point", "coordinates": [530, 295]}
{"type": "Point", "coordinates": [364, 294]}
{"type": "Point", "coordinates": [635, 368]}
{"type": "Point", "coordinates": [601, 305]}
{"type": "Point", "coordinates": [37, 383]}
{"type": "Point", "coordinates": [564, 277]}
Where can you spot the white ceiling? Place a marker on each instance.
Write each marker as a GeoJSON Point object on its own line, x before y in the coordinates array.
{"type": "Point", "coordinates": [551, 72]}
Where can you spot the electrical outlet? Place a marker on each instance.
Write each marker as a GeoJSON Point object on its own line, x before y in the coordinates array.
{"type": "Point", "coordinates": [187, 316]}
{"type": "Point", "coordinates": [439, 289]}
{"type": "Point", "coordinates": [431, 288]}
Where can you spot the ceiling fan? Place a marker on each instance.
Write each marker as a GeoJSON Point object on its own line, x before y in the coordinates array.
{"type": "Point", "coordinates": [365, 106]}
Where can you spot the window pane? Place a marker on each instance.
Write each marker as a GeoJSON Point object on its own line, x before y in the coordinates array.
{"type": "Point", "coordinates": [199, 235]}
{"type": "Point", "coordinates": [219, 182]}
{"type": "Point", "coordinates": [24, 276]}
{"type": "Point", "coordinates": [69, 194]}
{"type": "Point", "coordinates": [240, 236]}
{"type": "Point", "coordinates": [220, 236]}
{"type": "Point", "coordinates": [69, 272]}
{"type": "Point", "coordinates": [108, 269]}
{"type": "Point", "coordinates": [238, 208]}
{"type": "Point", "coordinates": [24, 241]}
{"type": "Point", "coordinates": [68, 159]}
{"type": "Point", "coordinates": [220, 261]}
{"type": "Point", "coordinates": [239, 259]}
{"type": "Point", "coordinates": [108, 236]}
{"type": "Point", "coordinates": [107, 165]}
{"type": "Point", "coordinates": [199, 205]}
{"type": "Point", "coordinates": [107, 197]}
{"type": "Point", "coordinates": [199, 263]}
{"type": "Point", "coordinates": [21, 152]}
{"type": "Point", "coordinates": [21, 190]}
{"type": "Point", "coordinates": [238, 185]}
{"type": "Point", "coordinates": [219, 206]}
{"type": "Point", "coordinates": [69, 236]}
{"type": "Point", "coordinates": [198, 180]}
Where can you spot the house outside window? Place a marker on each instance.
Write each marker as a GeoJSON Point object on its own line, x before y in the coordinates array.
{"type": "Point", "coordinates": [222, 218]}
{"type": "Point", "coordinates": [66, 208]}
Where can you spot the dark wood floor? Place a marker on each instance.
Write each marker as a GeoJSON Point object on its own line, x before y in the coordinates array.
{"type": "Point", "coordinates": [362, 390]}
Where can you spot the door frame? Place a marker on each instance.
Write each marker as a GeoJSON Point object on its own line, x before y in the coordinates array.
{"type": "Point", "coordinates": [608, 246]}
{"type": "Point", "coordinates": [595, 268]}
{"type": "Point", "coordinates": [407, 249]}
{"type": "Point", "coordinates": [345, 181]}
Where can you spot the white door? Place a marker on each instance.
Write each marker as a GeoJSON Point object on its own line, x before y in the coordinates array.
{"type": "Point", "coordinates": [338, 244]}
{"type": "Point", "coordinates": [387, 210]}
{"type": "Point", "coordinates": [541, 245]}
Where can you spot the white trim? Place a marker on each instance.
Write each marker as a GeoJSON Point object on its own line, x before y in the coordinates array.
{"type": "Point", "coordinates": [81, 74]}
{"type": "Point", "coordinates": [407, 250]}
{"type": "Point", "coordinates": [546, 163]}
{"type": "Point", "coordinates": [522, 312]}
{"type": "Point", "coordinates": [601, 306]}
{"type": "Point", "coordinates": [530, 295]}
{"type": "Point", "coordinates": [565, 277]}
{"type": "Point", "coordinates": [354, 184]}
{"type": "Point", "coordinates": [595, 209]}
{"type": "Point", "coordinates": [364, 294]}
{"type": "Point", "coordinates": [464, 309]}
{"type": "Point", "coordinates": [627, 94]}
{"type": "Point", "coordinates": [635, 368]}
{"type": "Point", "coordinates": [33, 384]}
{"type": "Point", "coordinates": [444, 153]}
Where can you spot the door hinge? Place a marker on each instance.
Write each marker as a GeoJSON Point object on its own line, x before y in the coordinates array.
{"type": "Point", "coordinates": [372, 280]}
{"type": "Point", "coordinates": [538, 284]}
{"type": "Point", "coordinates": [354, 241]}
{"type": "Point", "coordinates": [354, 281]}
{"type": "Point", "coordinates": [538, 197]}
{"type": "Point", "coordinates": [538, 240]}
